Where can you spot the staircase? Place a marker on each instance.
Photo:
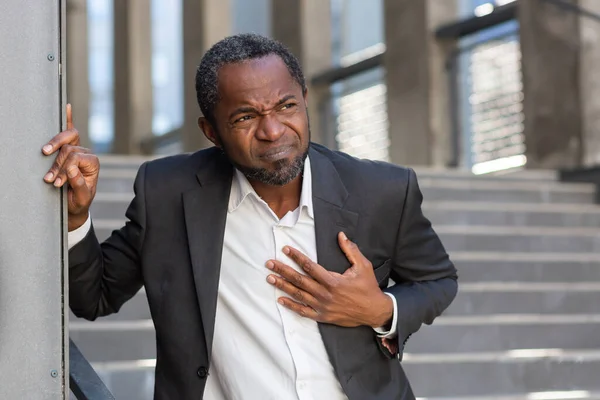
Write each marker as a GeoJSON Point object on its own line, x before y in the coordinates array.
{"type": "Point", "coordinates": [526, 321]}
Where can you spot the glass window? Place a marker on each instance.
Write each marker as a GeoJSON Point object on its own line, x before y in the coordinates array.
{"type": "Point", "coordinates": [491, 94]}
{"type": "Point", "coordinates": [357, 25]}
{"type": "Point", "coordinates": [100, 69]}
{"type": "Point", "coordinates": [359, 123]}
{"type": "Point", "coordinates": [167, 66]}
{"type": "Point", "coordinates": [252, 16]}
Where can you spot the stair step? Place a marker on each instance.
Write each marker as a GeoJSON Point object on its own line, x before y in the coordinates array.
{"type": "Point", "coordinates": [511, 214]}
{"type": "Point", "coordinates": [549, 395]}
{"type": "Point", "coordinates": [116, 181]}
{"type": "Point", "coordinates": [512, 175]}
{"type": "Point", "coordinates": [527, 298]}
{"type": "Point", "coordinates": [132, 340]}
{"type": "Point", "coordinates": [110, 161]}
{"type": "Point", "coordinates": [102, 341]}
{"type": "Point", "coordinates": [501, 332]}
{"type": "Point", "coordinates": [462, 239]}
{"type": "Point", "coordinates": [113, 205]}
{"type": "Point", "coordinates": [473, 299]}
{"type": "Point", "coordinates": [526, 267]}
{"type": "Point", "coordinates": [519, 239]}
{"type": "Point", "coordinates": [110, 206]}
{"type": "Point", "coordinates": [476, 375]}
{"type": "Point", "coordinates": [434, 189]}
{"type": "Point", "coordinates": [545, 374]}
{"type": "Point", "coordinates": [493, 191]}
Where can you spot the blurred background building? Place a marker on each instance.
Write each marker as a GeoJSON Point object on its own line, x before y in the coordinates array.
{"type": "Point", "coordinates": [492, 101]}
{"type": "Point", "coordinates": [387, 83]}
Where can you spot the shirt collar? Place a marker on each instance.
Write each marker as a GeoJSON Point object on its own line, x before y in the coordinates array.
{"type": "Point", "coordinates": [241, 188]}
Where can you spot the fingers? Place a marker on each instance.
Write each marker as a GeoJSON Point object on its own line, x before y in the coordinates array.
{"type": "Point", "coordinates": [351, 250]}
{"type": "Point", "coordinates": [287, 273]}
{"type": "Point", "coordinates": [68, 137]}
{"type": "Point", "coordinates": [81, 192]}
{"type": "Point", "coordinates": [296, 293]}
{"type": "Point", "coordinates": [82, 160]}
{"type": "Point", "coordinates": [313, 269]}
{"type": "Point", "coordinates": [300, 309]}
{"type": "Point", "coordinates": [69, 118]}
{"type": "Point", "coordinates": [62, 163]}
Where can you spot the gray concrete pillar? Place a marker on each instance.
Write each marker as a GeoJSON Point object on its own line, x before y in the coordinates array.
{"type": "Point", "coordinates": [305, 28]}
{"type": "Point", "coordinates": [417, 83]}
{"type": "Point", "coordinates": [590, 84]}
{"type": "Point", "coordinates": [78, 87]}
{"type": "Point", "coordinates": [34, 363]}
{"type": "Point", "coordinates": [205, 22]}
{"type": "Point", "coordinates": [550, 47]}
{"type": "Point", "coordinates": [133, 104]}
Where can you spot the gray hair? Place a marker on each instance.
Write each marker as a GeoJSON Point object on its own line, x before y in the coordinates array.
{"type": "Point", "coordinates": [236, 49]}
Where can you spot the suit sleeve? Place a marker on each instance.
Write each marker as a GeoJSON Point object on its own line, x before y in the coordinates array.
{"type": "Point", "coordinates": [104, 276]}
{"type": "Point", "coordinates": [425, 278]}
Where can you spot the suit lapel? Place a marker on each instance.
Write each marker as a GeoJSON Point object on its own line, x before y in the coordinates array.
{"type": "Point", "coordinates": [205, 209]}
{"type": "Point", "coordinates": [329, 199]}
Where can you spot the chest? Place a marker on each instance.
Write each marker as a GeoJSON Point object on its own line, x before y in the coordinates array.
{"type": "Point", "coordinates": [252, 237]}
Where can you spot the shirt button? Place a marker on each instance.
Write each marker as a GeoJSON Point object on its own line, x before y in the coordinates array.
{"type": "Point", "coordinates": [202, 372]}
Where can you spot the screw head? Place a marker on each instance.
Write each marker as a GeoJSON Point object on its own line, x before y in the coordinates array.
{"type": "Point", "coordinates": [50, 57]}
{"type": "Point", "coordinates": [54, 373]}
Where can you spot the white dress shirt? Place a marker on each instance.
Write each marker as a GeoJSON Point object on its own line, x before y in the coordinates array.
{"type": "Point", "coordinates": [262, 350]}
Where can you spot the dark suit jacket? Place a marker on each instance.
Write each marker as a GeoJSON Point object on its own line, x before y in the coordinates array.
{"type": "Point", "coordinates": [172, 245]}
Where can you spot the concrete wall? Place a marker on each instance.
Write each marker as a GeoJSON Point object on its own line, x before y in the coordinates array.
{"type": "Point", "coordinates": [551, 84]}
{"type": "Point", "coordinates": [589, 75]}
{"type": "Point", "coordinates": [417, 85]}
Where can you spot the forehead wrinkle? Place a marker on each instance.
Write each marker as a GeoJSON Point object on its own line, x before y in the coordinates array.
{"type": "Point", "coordinates": [262, 98]}
{"type": "Point", "coordinates": [259, 83]}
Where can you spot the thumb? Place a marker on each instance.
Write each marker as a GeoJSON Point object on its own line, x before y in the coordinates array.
{"type": "Point", "coordinates": [349, 248]}
{"type": "Point", "coordinates": [81, 193]}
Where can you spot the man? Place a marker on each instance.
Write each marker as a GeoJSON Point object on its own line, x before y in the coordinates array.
{"type": "Point", "coordinates": [267, 258]}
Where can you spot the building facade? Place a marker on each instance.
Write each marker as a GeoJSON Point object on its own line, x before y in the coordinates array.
{"type": "Point", "coordinates": [474, 101]}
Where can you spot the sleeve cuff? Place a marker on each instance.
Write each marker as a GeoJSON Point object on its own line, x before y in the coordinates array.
{"type": "Point", "coordinates": [80, 233]}
{"type": "Point", "coordinates": [391, 334]}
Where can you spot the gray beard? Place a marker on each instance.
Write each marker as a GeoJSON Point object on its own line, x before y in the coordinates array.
{"type": "Point", "coordinates": [285, 171]}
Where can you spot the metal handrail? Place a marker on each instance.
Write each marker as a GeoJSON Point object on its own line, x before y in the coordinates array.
{"type": "Point", "coordinates": [150, 144]}
{"type": "Point", "coordinates": [84, 382]}
{"type": "Point", "coordinates": [337, 74]}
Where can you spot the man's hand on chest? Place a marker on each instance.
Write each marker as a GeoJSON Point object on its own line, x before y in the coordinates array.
{"type": "Point", "coordinates": [349, 299]}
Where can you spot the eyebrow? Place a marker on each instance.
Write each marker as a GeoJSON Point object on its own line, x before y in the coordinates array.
{"type": "Point", "coordinates": [243, 110]}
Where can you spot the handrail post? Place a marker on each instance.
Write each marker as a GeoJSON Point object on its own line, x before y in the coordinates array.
{"type": "Point", "coordinates": [83, 380]}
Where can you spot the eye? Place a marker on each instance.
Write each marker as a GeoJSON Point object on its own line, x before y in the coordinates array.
{"type": "Point", "coordinates": [243, 119]}
{"type": "Point", "coordinates": [288, 106]}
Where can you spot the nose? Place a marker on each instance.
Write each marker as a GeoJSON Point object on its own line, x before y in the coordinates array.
{"type": "Point", "coordinates": [270, 128]}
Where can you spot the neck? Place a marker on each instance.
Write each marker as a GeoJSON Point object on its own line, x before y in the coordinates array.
{"type": "Point", "coordinates": [281, 199]}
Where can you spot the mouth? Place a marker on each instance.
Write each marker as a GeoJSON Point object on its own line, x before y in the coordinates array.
{"type": "Point", "coordinates": [276, 153]}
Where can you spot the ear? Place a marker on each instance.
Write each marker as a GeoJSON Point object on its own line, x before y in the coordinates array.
{"type": "Point", "coordinates": [209, 131]}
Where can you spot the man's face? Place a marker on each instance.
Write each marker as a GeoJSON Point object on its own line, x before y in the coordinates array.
{"type": "Point", "coordinates": [262, 122]}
